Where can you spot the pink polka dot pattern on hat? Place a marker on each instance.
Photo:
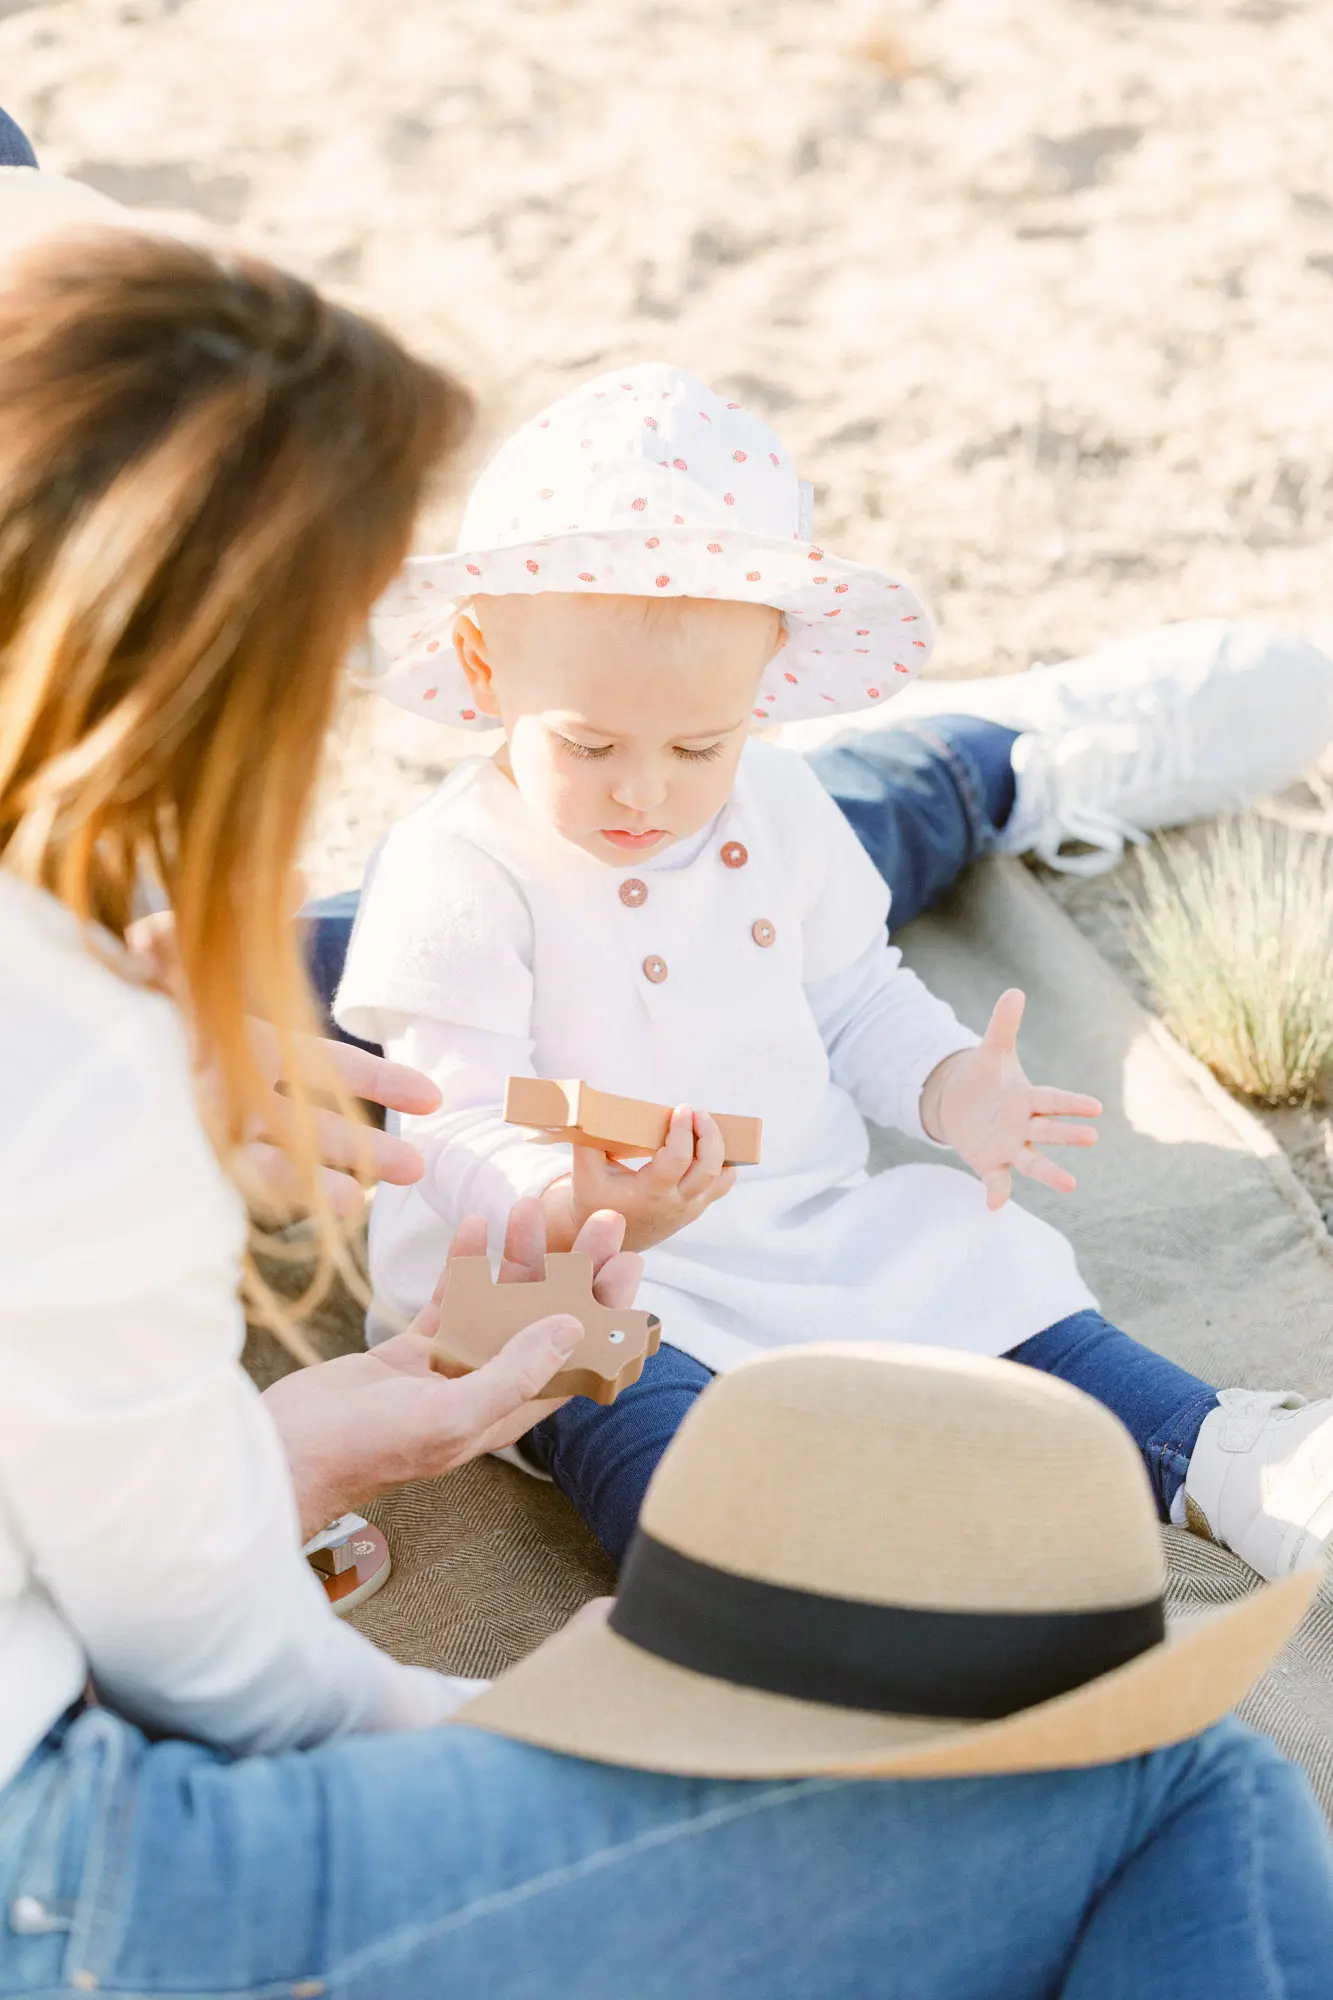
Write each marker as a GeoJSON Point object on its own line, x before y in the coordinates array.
{"type": "Point", "coordinates": [649, 467]}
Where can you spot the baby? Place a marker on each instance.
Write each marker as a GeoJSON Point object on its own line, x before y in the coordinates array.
{"type": "Point", "coordinates": [636, 890]}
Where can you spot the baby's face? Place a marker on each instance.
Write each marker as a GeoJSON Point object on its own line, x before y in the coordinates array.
{"type": "Point", "coordinates": [625, 716]}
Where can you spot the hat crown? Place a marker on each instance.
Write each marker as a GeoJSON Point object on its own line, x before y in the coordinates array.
{"type": "Point", "coordinates": [903, 1476]}
{"type": "Point", "coordinates": [638, 449]}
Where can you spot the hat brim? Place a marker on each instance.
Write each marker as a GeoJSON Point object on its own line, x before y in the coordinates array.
{"type": "Point", "coordinates": [855, 635]}
{"type": "Point", "coordinates": [589, 1693]}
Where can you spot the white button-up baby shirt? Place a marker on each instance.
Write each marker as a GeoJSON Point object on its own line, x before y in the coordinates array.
{"type": "Point", "coordinates": [748, 971]}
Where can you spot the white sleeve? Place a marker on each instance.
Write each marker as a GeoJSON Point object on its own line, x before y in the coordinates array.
{"type": "Point", "coordinates": [885, 1032]}
{"type": "Point", "coordinates": [141, 1478]}
{"type": "Point", "coordinates": [475, 1163]}
{"type": "Point", "coordinates": [442, 933]}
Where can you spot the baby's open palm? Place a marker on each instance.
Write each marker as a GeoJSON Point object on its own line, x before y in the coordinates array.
{"type": "Point", "coordinates": [986, 1109]}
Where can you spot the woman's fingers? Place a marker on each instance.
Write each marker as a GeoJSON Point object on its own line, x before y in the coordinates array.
{"type": "Point", "coordinates": [269, 1178]}
{"type": "Point", "coordinates": [319, 1061]}
{"type": "Point", "coordinates": [524, 1260]}
{"type": "Point", "coordinates": [1051, 1132]}
{"type": "Point", "coordinates": [394, 1085]}
{"type": "Point", "coordinates": [617, 1281]}
{"type": "Point", "coordinates": [493, 1394]}
{"type": "Point", "coordinates": [601, 1236]}
{"type": "Point", "coordinates": [1064, 1103]}
{"type": "Point", "coordinates": [1037, 1167]}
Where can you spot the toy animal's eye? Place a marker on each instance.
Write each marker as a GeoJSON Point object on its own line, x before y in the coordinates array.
{"type": "Point", "coordinates": [616, 1337]}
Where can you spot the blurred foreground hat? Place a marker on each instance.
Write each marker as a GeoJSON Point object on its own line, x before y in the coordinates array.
{"type": "Point", "coordinates": [890, 1561]}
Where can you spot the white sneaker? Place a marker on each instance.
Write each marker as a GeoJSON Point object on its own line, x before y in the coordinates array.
{"type": "Point", "coordinates": [1177, 725]}
{"type": "Point", "coordinates": [1171, 725]}
{"type": "Point", "coordinates": [1260, 1479]}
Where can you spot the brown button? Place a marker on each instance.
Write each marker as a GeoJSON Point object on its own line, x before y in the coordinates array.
{"type": "Point", "coordinates": [633, 893]}
{"type": "Point", "coordinates": [734, 854]}
{"type": "Point", "coordinates": [762, 931]}
{"type": "Point", "coordinates": [655, 968]}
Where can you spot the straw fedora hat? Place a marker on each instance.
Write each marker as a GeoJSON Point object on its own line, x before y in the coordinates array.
{"type": "Point", "coordinates": [647, 483]}
{"type": "Point", "coordinates": [890, 1561]}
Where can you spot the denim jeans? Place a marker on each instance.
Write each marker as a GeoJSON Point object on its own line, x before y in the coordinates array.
{"type": "Point", "coordinates": [602, 1457]}
{"type": "Point", "coordinates": [14, 148]}
{"type": "Point", "coordinates": [450, 1863]}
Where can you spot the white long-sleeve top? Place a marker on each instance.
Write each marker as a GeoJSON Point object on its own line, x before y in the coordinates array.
{"type": "Point", "coordinates": [748, 972]}
{"type": "Point", "coordinates": [880, 1025]}
{"type": "Point", "coordinates": [148, 1530]}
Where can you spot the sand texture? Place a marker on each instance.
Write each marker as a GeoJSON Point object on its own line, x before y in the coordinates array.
{"type": "Point", "coordinates": [1039, 294]}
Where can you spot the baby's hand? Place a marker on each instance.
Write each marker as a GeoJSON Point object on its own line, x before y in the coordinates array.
{"type": "Point", "coordinates": [980, 1103]}
{"type": "Point", "coordinates": [681, 1180]}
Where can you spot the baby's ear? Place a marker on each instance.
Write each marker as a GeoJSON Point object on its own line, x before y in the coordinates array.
{"type": "Point", "coordinates": [470, 646]}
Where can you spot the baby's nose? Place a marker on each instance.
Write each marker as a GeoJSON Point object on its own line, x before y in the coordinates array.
{"type": "Point", "coordinates": [639, 791]}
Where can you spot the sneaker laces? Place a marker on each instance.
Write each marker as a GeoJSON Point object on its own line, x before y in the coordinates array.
{"type": "Point", "coordinates": [1245, 1412]}
{"type": "Point", "coordinates": [1051, 816]}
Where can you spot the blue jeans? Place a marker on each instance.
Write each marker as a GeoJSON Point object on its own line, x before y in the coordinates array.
{"type": "Point", "coordinates": [449, 1863]}
{"type": "Point", "coordinates": [14, 148]}
{"type": "Point", "coordinates": [602, 1457]}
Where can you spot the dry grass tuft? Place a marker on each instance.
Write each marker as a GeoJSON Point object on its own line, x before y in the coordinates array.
{"type": "Point", "coordinates": [1234, 933]}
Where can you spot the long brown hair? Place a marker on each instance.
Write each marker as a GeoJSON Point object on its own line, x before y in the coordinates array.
{"type": "Point", "coordinates": [208, 473]}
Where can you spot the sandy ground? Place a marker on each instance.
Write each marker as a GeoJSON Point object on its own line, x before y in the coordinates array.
{"type": "Point", "coordinates": [1039, 291]}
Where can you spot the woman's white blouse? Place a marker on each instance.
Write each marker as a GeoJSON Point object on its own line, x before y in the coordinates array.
{"type": "Point", "coordinates": [148, 1530]}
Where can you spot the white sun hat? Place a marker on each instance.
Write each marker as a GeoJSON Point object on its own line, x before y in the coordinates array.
{"type": "Point", "coordinates": [645, 483]}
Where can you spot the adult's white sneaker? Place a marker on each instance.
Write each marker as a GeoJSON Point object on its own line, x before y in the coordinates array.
{"type": "Point", "coordinates": [1260, 1479]}
{"type": "Point", "coordinates": [1172, 725]}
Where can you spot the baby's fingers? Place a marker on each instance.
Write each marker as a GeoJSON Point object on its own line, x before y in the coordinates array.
{"type": "Point", "coordinates": [1038, 1168]}
{"type": "Point", "coordinates": [1052, 1132]}
{"type": "Point", "coordinates": [998, 1185]}
{"type": "Point", "coordinates": [710, 1156]}
{"type": "Point", "coordinates": [671, 1162]}
{"type": "Point", "coordinates": [1064, 1103]}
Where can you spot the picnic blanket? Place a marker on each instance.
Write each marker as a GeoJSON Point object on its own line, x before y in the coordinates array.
{"type": "Point", "coordinates": [1189, 1226]}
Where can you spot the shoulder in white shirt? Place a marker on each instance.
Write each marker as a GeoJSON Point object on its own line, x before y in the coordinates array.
{"type": "Point", "coordinates": [148, 1530]}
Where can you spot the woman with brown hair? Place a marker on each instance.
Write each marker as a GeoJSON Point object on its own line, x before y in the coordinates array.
{"type": "Point", "coordinates": [207, 475]}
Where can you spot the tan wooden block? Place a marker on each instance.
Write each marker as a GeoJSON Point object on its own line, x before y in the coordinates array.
{"type": "Point", "coordinates": [477, 1317]}
{"type": "Point", "coordinates": [628, 1128]}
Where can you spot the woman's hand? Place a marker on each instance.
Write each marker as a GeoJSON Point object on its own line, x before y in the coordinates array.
{"type": "Point", "coordinates": [365, 1423]}
{"type": "Point", "coordinates": [347, 1149]}
{"type": "Point", "coordinates": [673, 1188]}
{"type": "Point", "coordinates": [981, 1103]}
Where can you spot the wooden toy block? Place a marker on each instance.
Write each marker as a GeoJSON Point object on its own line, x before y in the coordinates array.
{"type": "Point", "coordinates": [627, 1128]}
{"type": "Point", "coordinates": [477, 1317]}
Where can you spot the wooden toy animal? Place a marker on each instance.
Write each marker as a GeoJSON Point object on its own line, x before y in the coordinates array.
{"type": "Point", "coordinates": [477, 1317]}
